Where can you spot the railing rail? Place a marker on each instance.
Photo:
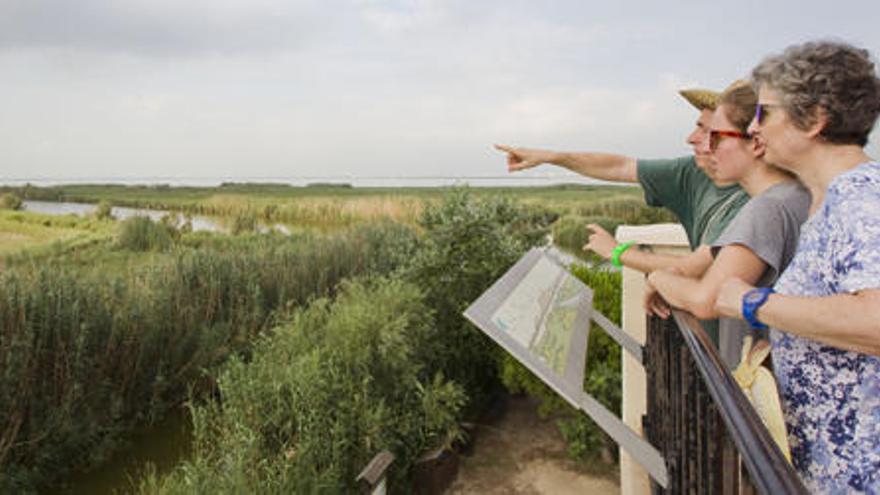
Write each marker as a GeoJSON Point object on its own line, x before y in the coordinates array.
{"type": "Point", "coordinates": [702, 422]}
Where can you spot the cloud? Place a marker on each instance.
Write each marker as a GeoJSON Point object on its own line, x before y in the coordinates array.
{"type": "Point", "coordinates": [161, 27]}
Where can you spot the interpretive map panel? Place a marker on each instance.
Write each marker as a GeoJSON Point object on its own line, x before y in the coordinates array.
{"type": "Point", "coordinates": [539, 312]}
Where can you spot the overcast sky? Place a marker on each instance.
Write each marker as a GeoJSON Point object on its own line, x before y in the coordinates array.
{"type": "Point", "coordinates": [271, 88]}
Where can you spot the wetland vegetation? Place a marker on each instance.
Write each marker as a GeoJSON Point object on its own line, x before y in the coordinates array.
{"type": "Point", "coordinates": [298, 356]}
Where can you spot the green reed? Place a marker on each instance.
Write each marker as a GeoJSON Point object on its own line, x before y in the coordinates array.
{"type": "Point", "coordinates": [84, 355]}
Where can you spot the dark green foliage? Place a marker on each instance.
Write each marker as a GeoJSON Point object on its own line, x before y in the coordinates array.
{"type": "Point", "coordinates": [10, 201]}
{"type": "Point", "coordinates": [467, 244]}
{"type": "Point", "coordinates": [603, 379]}
{"type": "Point", "coordinates": [143, 234]}
{"type": "Point", "coordinates": [320, 396]}
{"type": "Point", "coordinates": [571, 234]}
{"type": "Point", "coordinates": [85, 356]}
{"type": "Point", "coordinates": [631, 211]}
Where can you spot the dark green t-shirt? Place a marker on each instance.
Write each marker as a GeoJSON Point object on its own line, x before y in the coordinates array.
{"type": "Point", "coordinates": [703, 209]}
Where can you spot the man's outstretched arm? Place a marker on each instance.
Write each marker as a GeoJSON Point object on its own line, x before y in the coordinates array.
{"type": "Point", "coordinates": [603, 166]}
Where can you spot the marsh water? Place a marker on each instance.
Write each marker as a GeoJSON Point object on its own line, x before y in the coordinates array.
{"type": "Point", "coordinates": [199, 223]}
{"type": "Point", "coordinates": [159, 447]}
{"type": "Point", "coordinates": [118, 212]}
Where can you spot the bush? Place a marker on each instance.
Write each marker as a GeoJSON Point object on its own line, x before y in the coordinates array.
{"type": "Point", "coordinates": [631, 211]}
{"type": "Point", "coordinates": [142, 234]}
{"type": "Point", "coordinates": [320, 396]}
{"type": "Point", "coordinates": [244, 222]}
{"type": "Point", "coordinates": [570, 234]}
{"type": "Point", "coordinates": [104, 211]}
{"type": "Point", "coordinates": [467, 244]}
{"type": "Point", "coordinates": [10, 201]}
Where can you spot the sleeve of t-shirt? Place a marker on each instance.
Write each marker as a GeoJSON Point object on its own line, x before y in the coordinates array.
{"type": "Point", "coordinates": [766, 228]}
{"type": "Point", "coordinates": [669, 183]}
{"type": "Point", "coordinates": [856, 250]}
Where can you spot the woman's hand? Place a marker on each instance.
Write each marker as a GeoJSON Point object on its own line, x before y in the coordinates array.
{"type": "Point", "coordinates": [654, 302]}
{"type": "Point", "coordinates": [600, 241]}
{"type": "Point", "coordinates": [730, 296]}
{"type": "Point", "coordinates": [523, 158]}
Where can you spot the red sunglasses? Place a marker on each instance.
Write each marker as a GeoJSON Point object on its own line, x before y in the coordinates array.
{"type": "Point", "coordinates": [716, 135]}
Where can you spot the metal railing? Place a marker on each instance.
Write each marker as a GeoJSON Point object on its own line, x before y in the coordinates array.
{"type": "Point", "coordinates": [700, 420]}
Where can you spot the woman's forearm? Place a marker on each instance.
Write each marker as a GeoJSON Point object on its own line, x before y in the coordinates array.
{"type": "Point", "coordinates": [846, 321]}
{"type": "Point", "coordinates": [692, 264]}
{"type": "Point", "coordinates": [686, 293]}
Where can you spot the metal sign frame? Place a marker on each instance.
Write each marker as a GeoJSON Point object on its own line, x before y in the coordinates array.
{"type": "Point", "coordinates": [568, 383]}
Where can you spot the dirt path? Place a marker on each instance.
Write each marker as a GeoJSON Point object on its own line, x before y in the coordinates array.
{"type": "Point", "coordinates": [524, 454]}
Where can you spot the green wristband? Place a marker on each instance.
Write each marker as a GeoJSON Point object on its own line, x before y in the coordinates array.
{"type": "Point", "coordinates": [615, 255]}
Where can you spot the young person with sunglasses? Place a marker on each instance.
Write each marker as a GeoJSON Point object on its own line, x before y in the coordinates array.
{"type": "Point", "coordinates": [683, 185]}
{"type": "Point", "coordinates": [760, 241]}
{"type": "Point", "coordinates": [819, 102]}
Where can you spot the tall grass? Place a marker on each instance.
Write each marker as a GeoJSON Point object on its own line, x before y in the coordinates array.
{"type": "Point", "coordinates": [320, 212]}
{"type": "Point", "coordinates": [84, 356]}
{"type": "Point", "coordinates": [142, 234]}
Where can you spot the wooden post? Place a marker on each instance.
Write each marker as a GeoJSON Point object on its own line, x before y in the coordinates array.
{"type": "Point", "coordinates": [661, 238]}
{"type": "Point", "coordinates": [373, 477]}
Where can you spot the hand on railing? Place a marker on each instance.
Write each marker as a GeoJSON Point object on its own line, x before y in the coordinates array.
{"type": "Point", "coordinates": [654, 303]}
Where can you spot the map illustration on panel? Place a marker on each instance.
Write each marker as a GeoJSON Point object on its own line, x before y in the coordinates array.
{"type": "Point", "coordinates": [540, 313]}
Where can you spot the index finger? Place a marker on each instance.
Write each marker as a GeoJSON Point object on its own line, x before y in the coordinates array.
{"type": "Point", "coordinates": [503, 147]}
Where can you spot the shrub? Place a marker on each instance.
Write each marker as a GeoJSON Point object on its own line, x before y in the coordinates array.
{"type": "Point", "coordinates": [142, 234]}
{"type": "Point", "coordinates": [244, 222]}
{"type": "Point", "coordinates": [631, 211]}
{"type": "Point", "coordinates": [104, 211]}
{"type": "Point", "coordinates": [467, 244]}
{"type": "Point", "coordinates": [10, 201]}
{"type": "Point", "coordinates": [570, 233]}
{"type": "Point", "coordinates": [319, 397]}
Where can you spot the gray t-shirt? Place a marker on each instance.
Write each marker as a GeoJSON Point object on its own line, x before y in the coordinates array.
{"type": "Point", "coordinates": [768, 225]}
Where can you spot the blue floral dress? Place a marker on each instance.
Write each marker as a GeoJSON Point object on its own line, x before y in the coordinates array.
{"type": "Point", "coordinates": [831, 397]}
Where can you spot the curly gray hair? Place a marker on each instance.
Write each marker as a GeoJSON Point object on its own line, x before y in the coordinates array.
{"type": "Point", "coordinates": [826, 77]}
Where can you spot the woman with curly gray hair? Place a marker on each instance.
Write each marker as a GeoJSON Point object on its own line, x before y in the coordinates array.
{"type": "Point", "coordinates": [817, 104]}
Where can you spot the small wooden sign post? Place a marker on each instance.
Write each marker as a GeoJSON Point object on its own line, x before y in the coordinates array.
{"type": "Point", "coordinates": [373, 477]}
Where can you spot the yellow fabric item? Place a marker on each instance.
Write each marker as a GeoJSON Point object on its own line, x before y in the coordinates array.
{"type": "Point", "coordinates": [759, 385]}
